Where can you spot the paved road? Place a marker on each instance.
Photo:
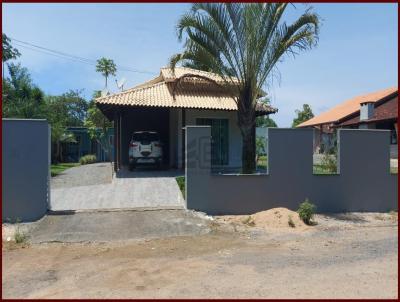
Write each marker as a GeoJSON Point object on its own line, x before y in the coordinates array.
{"type": "Point", "coordinates": [77, 189]}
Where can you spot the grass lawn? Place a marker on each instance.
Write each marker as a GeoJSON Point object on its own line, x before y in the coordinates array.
{"type": "Point", "coordinates": [58, 168]}
{"type": "Point", "coordinates": [262, 163]}
{"type": "Point", "coordinates": [322, 169]}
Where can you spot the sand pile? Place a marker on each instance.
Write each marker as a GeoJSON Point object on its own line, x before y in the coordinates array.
{"type": "Point", "coordinates": [276, 218]}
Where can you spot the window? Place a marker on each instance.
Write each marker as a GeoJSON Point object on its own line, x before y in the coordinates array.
{"type": "Point", "coordinates": [219, 139]}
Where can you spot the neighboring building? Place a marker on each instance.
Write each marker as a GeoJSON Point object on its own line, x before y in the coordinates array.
{"type": "Point", "coordinates": [377, 110]}
{"type": "Point", "coordinates": [171, 101]}
{"type": "Point", "coordinates": [84, 145]}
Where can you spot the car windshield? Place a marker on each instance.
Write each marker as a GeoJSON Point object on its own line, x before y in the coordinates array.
{"type": "Point", "coordinates": [145, 136]}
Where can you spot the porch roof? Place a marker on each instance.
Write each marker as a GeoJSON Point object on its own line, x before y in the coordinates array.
{"type": "Point", "coordinates": [184, 88]}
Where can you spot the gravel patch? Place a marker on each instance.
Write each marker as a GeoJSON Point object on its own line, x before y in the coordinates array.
{"type": "Point", "coordinates": [86, 175]}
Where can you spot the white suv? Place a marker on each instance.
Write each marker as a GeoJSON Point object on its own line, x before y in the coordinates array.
{"type": "Point", "coordinates": [145, 147]}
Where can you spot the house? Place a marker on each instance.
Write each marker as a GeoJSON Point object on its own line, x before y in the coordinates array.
{"type": "Point", "coordinates": [171, 101]}
{"type": "Point", "coordinates": [377, 110]}
{"type": "Point", "coordinates": [84, 145]}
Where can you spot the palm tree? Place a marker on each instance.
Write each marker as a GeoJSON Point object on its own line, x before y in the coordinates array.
{"type": "Point", "coordinates": [106, 67]}
{"type": "Point", "coordinates": [243, 43]}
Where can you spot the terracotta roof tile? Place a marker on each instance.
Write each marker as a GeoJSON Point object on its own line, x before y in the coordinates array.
{"type": "Point", "coordinates": [347, 108]}
{"type": "Point", "coordinates": [189, 93]}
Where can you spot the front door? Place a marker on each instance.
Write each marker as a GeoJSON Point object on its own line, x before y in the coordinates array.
{"type": "Point", "coordinates": [219, 139]}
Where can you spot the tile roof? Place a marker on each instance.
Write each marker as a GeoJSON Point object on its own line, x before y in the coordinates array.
{"type": "Point", "coordinates": [347, 108]}
{"type": "Point", "coordinates": [194, 93]}
{"type": "Point", "coordinates": [387, 110]}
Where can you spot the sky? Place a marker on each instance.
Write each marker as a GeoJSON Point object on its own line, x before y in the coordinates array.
{"type": "Point", "coordinates": [357, 51]}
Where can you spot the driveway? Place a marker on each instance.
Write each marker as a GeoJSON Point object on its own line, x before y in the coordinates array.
{"type": "Point", "coordinates": [92, 187]}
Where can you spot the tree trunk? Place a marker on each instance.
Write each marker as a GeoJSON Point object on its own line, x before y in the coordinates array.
{"type": "Point", "coordinates": [248, 152]}
{"type": "Point", "coordinates": [246, 122]}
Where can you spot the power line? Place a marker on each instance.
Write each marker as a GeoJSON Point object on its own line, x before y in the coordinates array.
{"type": "Point", "coordinates": [68, 56]}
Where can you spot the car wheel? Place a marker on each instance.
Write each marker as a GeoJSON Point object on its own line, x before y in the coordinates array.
{"type": "Point", "coordinates": [131, 166]}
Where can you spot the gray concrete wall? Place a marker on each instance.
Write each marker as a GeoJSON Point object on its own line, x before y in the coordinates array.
{"type": "Point", "coordinates": [26, 169]}
{"type": "Point", "coordinates": [364, 182]}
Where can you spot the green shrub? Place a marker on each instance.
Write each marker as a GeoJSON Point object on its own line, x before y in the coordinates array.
{"type": "Point", "coordinates": [329, 163]}
{"type": "Point", "coordinates": [19, 236]}
{"type": "Point", "coordinates": [88, 159]}
{"type": "Point", "coordinates": [306, 211]}
{"type": "Point", "coordinates": [290, 222]}
{"type": "Point", "coordinates": [181, 183]}
{"type": "Point", "coordinates": [249, 221]}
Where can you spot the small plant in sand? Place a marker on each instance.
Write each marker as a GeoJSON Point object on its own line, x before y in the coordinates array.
{"type": "Point", "coordinates": [290, 222]}
{"type": "Point", "coordinates": [306, 211]}
{"type": "Point", "coordinates": [249, 221]}
{"type": "Point", "coordinates": [19, 236]}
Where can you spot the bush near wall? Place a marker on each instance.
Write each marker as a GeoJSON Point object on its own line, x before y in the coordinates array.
{"type": "Point", "coordinates": [88, 159]}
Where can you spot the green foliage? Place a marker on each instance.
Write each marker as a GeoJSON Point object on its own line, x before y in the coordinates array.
{"type": "Point", "coordinates": [302, 115]}
{"type": "Point", "coordinates": [181, 183]}
{"type": "Point", "coordinates": [265, 121]}
{"type": "Point", "coordinates": [291, 222]}
{"type": "Point", "coordinates": [19, 236]}
{"type": "Point", "coordinates": [243, 41]}
{"type": "Point", "coordinates": [21, 99]}
{"type": "Point", "coordinates": [98, 125]}
{"type": "Point", "coordinates": [306, 211]}
{"type": "Point", "coordinates": [9, 52]}
{"type": "Point", "coordinates": [88, 159]}
{"type": "Point", "coordinates": [262, 162]}
{"type": "Point", "coordinates": [106, 67]}
{"type": "Point", "coordinates": [260, 149]}
{"type": "Point", "coordinates": [329, 163]}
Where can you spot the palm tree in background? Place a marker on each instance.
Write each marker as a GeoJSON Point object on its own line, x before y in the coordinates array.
{"type": "Point", "coordinates": [106, 67]}
{"type": "Point", "coordinates": [243, 43]}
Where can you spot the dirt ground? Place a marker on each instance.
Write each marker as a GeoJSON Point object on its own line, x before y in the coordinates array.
{"type": "Point", "coordinates": [343, 256]}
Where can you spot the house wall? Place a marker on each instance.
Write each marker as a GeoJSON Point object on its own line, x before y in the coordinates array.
{"type": "Point", "coordinates": [235, 137]}
{"type": "Point", "coordinates": [26, 169]}
{"type": "Point", "coordinates": [363, 182]}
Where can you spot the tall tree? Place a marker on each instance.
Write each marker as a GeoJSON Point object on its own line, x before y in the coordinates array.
{"type": "Point", "coordinates": [21, 98]}
{"type": "Point", "coordinates": [106, 67]}
{"type": "Point", "coordinates": [302, 115]}
{"type": "Point", "coordinates": [98, 125]}
{"type": "Point", "coordinates": [62, 111]}
{"type": "Point", "coordinates": [9, 52]}
{"type": "Point", "coordinates": [243, 43]}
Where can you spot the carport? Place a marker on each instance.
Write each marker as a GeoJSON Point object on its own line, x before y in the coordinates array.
{"type": "Point", "coordinates": [128, 119]}
{"type": "Point", "coordinates": [139, 119]}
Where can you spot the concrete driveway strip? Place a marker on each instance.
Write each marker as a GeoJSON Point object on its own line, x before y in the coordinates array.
{"type": "Point", "coordinates": [120, 193]}
{"type": "Point", "coordinates": [106, 226]}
